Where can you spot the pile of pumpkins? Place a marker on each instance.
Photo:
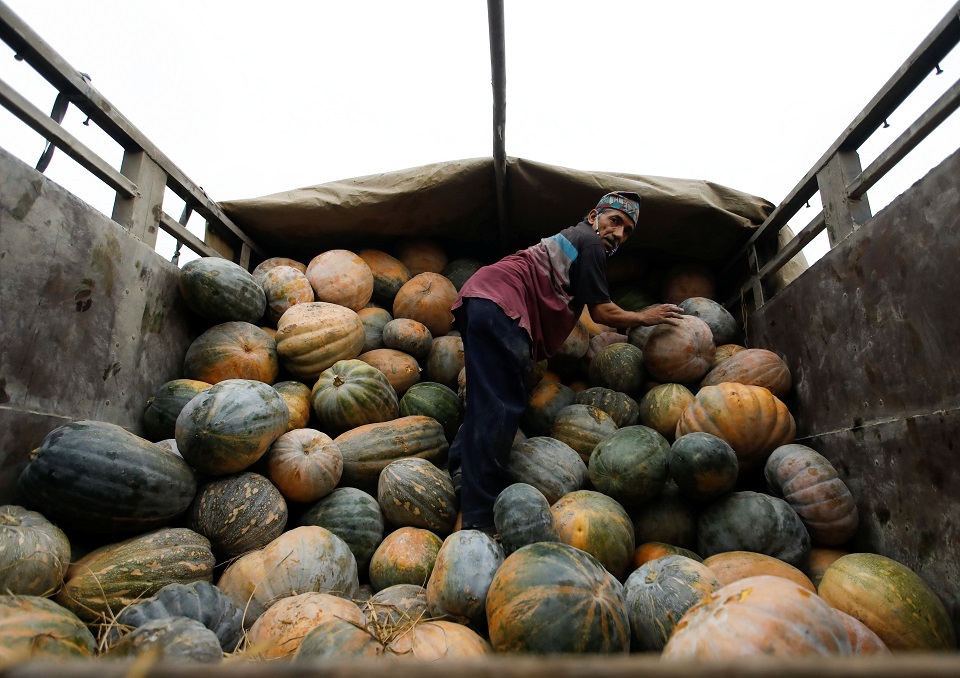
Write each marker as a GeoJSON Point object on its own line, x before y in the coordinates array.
{"type": "Point", "coordinates": [291, 499]}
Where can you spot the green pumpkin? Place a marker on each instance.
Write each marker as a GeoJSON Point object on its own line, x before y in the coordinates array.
{"type": "Point", "coordinates": [431, 399]}
{"type": "Point", "coordinates": [351, 393]}
{"type": "Point", "coordinates": [354, 516]}
{"type": "Point", "coordinates": [630, 465]}
{"type": "Point", "coordinates": [219, 290]}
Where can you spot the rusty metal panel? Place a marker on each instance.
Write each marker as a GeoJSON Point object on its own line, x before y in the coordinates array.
{"type": "Point", "coordinates": [92, 321]}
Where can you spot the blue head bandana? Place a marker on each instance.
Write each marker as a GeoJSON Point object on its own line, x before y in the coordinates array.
{"type": "Point", "coordinates": [624, 201]}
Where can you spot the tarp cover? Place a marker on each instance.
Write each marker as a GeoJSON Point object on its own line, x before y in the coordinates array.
{"type": "Point", "coordinates": [456, 202]}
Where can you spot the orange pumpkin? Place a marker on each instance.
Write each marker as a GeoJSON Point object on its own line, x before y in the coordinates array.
{"type": "Point", "coordinates": [406, 556]}
{"type": "Point", "coordinates": [818, 562]}
{"type": "Point", "coordinates": [438, 639]}
{"type": "Point", "coordinates": [736, 565]}
{"type": "Point", "coordinates": [597, 524]}
{"type": "Point", "coordinates": [755, 366]}
{"type": "Point", "coordinates": [427, 298]}
{"type": "Point", "coordinates": [687, 280]}
{"type": "Point", "coordinates": [444, 361]}
{"type": "Point", "coordinates": [341, 277]}
{"type": "Point", "coordinates": [389, 274]}
{"type": "Point", "coordinates": [409, 336]}
{"type": "Point", "coordinates": [724, 351]}
{"type": "Point", "coordinates": [421, 255]}
{"type": "Point", "coordinates": [285, 287]}
{"type": "Point", "coordinates": [652, 550]}
{"type": "Point", "coordinates": [297, 397]}
{"type": "Point", "coordinates": [304, 464]}
{"type": "Point", "coordinates": [232, 350]}
{"type": "Point", "coordinates": [401, 369]}
{"type": "Point", "coordinates": [592, 327]}
{"type": "Point", "coordinates": [680, 353]}
{"type": "Point", "coordinates": [312, 337]}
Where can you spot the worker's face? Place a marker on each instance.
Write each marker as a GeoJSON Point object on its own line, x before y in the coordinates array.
{"type": "Point", "coordinates": [613, 227]}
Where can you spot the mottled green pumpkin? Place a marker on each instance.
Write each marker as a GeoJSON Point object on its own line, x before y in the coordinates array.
{"type": "Point", "coordinates": [703, 466]}
{"type": "Point", "coordinates": [219, 291]}
{"type": "Point", "coordinates": [351, 393]}
{"type": "Point", "coordinates": [415, 493]}
{"type": "Point", "coordinates": [622, 408]}
{"type": "Point", "coordinates": [597, 524]}
{"type": "Point", "coordinates": [34, 553]}
{"type": "Point", "coordinates": [630, 465]}
{"type": "Point", "coordinates": [582, 427]}
{"type": "Point", "coordinates": [406, 556]}
{"type": "Point", "coordinates": [551, 466]}
{"type": "Point", "coordinates": [546, 401]}
{"type": "Point", "coordinates": [170, 640]}
{"type": "Point", "coordinates": [618, 367]}
{"type": "Point", "coordinates": [465, 566]}
{"type": "Point", "coordinates": [164, 406]}
{"type": "Point", "coordinates": [35, 628]}
{"type": "Point", "coordinates": [432, 399]}
{"type": "Point", "coordinates": [354, 516]}
{"type": "Point", "coordinates": [522, 516]}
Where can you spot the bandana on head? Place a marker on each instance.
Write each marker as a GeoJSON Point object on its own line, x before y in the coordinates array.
{"type": "Point", "coordinates": [625, 201]}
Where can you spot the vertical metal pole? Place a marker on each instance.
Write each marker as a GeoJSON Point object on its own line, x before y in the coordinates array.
{"type": "Point", "coordinates": [498, 71]}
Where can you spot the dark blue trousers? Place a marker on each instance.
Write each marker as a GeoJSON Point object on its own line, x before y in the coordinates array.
{"type": "Point", "coordinates": [498, 361]}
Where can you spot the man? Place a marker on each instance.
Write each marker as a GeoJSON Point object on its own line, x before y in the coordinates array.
{"type": "Point", "coordinates": [518, 311]}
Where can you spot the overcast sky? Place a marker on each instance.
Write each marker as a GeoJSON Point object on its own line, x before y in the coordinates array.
{"type": "Point", "coordinates": [253, 98]}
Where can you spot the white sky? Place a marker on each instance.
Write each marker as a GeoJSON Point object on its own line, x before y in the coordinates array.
{"type": "Point", "coordinates": [254, 98]}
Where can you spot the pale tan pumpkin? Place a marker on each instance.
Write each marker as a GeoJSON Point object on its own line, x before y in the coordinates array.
{"type": "Point", "coordinates": [278, 632]}
{"type": "Point", "coordinates": [304, 464]}
{"type": "Point", "coordinates": [341, 277]}
{"type": "Point", "coordinates": [427, 298]}
{"type": "Point", "coordinates": [755, 366]}
{"type": "Point", "coordinates": [680, 353]}
{"type": "Point", "coordinates": [311, 337]}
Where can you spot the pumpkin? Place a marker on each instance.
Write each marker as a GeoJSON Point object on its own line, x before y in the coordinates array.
{"type": "Point", "coordinates": [551, 466]}
{"type": "Point", "coordinates": [397, 605]}
{"type": "Point", "coordinates": [703, 466]}
{"type": "Point", "coordinates": [631, 465]}
{"type": "Point", "coordinates": [374, 320]}
{"type": "Point", "coordinates": [427, 298]}
{"type": "Point", "coordinates": [522, 516]}
{"type": "Point", "coordinates": [431, 399]}
{"type": "Point", "coordinates": [444, 361]}
{"type": "Point", "coordinates": [267, 265]}
{"type": "Point", "coordinates": [622, 408]}
{"type": "Point", "coordinates": [170, 639]}
{"type": "Point", "coordinates": [671, 518]}
{"type": "Point", "coordinates": [582, 427]}
{"type": "Point", "coordinates": [231, 425]}
{"type": "Point", "coordinates": [219, 291]}
{"type": "Point", "coordinates": [750, 521]}
{"type": "Point", "coordinates": [462, 573]}
{"type": "Point", "coordinates": [659, 593]}
{"type": "Point", "coordinates": [818, 562]}
{"type": "Point", "coordinates": [732, 566]}
{"type": "Point", "coordinates": [810, 484]}
{"type": "Point", "coordinates": [103, 582]}
{"type": "Point", "coordinates": [351, 393]}
{"type": "Point", "coordinates": [409, 336]}
{"type": "Point", "coordinates": [551, 598]}
{"type": "Point", "coordinates": [438, 639]}
{"type": "Point", "coordinates": [280, 630]}
{"type": "Point", "coordinates": [652, 550]}
{"type": "Point", "coordinates": [680, 353]}
{"type": "Point", "coordinates": [368, 449]}
{"type": "Point", "coordinates": [546, 401]}
{"type": "Point", "coordinates": [593, 328]}
{"type": "Point", "coordinates": [724, 351]}
{"type": "Point", "coordinates": [573, 348]}
{"type": "Point", "coordinates": [406, 556]}
{"type": "Point", "coordinates": [296, 395]}
{"type": "Point", "coordinates": [285, 286]}
{"type": "Point", "coordinates": [759, 617]}
{"type": "Point", "coordinates": [304, 464]}
{"type": "Point", "coordinates": [415, 493]}
{"type": "Point", "coordinates": [755, 366]}
{"type": "Point", "coordinates": [337, 639]}
{"type": "Point", "coordinates": [354, 516]}
{"type": "Point", "coordinates": [311, 337]}
{"type": "Point", "coordinates": [389, 275]}
{"type": "Point", "coordinates": [199, 600]}
{"type": "Point", "coordinates": [341, 277]}
{"type": "Point", "coordinates": [618, 367]}
{"type": "Point", "coordinates": [661, 406]}
{"type": "Point", "coordinates": [686, 280]}
{"type": "Point", "coordinates": [32, 627]}
{"type": "Point", "coordinates": [400, 369]}
{"type": "Point", "coordinates": [232, 350]}
{"type": "Point", "coordinates": [722, 324]}
{"type": "Point", "coordinates": [420, 255]}
{"type": "Point", "coordinates": [303, 559]}
{"type": "Point", "coordinates": [34, 553]}
{"type": "Point", "coordinates": [98, 478]}
{"type": "Point", "coordinates": [459, 271]}
{"type": "Point", "coordinates": [891, 599]}
{"type": "Point", "coordinates": [862, 639]}
{"type": "Point", "coordinates": [597, 524]}
{"type": "Point", "coordinates": [163, 407]}
{"type": "Point", "coordinates": [238, 513]}
{"type": "Point", "coordinates": [750, 419]}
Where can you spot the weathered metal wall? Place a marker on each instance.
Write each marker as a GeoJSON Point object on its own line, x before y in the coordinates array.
{"type": "Point", "coordinates": [871, 334]}
{"type": "Point", "coordinates": [92, 321]}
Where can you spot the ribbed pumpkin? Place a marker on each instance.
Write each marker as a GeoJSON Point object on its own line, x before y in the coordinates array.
{"type": "Point", "coordinates": [546, 401]}
{"type": "Point", "coordinates": [374, 319]}
{"type": "Point", "coordinates": [686, 280]}
{"type": "Point", "coordinates": [438, 639]}
{"type": "Point", "coordinates": [549, 465]}
{"type": "Point", "coordinates": [750, 521]}
{"type": "Point", "coordinates": [163, 407]}
{"type": "Point", "coordinates": [296, 395]}
{"type": "Point", "coordinates": [582, 427]}
{"type": "Point", "coordinates": [303, 559]}
{"type": "Point", "coordinates": [598, 525]}
{"type": "Point", "coordinates": [622, 408]}
{"type": "Point", "coordinates": [751, 419]}
{"type": "Point", "coordinates": [731, 566]}
{"type": "Point", "coordinates": [661, 406]}
{"type": "Point", "coordinates": [703, 466]}
{"type": "Point", "coordinates": [550, 598]}
{"type": "Point", "coordinates": [336, 639]}
{"type": "Point", "coordinates": [169, 640]}
{"type": "Point", "coordinates": [34, 553]}
{"type": "Point", "coordinates": [671, 518]}
{"type": "Point", "coordinates": [523, 516]}
{"type": "Point", "coordinates": [755, 366]}
{"type": "Point", "coordinates": [759, 617]}
{"type": "Point", "coordinates": [238, 513]}
{"type": "Point", "coordinates": [862, 639]}
{"type": "Point", "coordinates": [444, 361]}
{"type": "Point", "coordinates": [99, 478]}
{"type": "Point", "coordinates": [389, 275]}
{"type": "Point", "coordinates": [420, 255]}
{"type": "Point", "coordinates": [409, 336]}
{"type": "Point", "coordinates": [351, 393]}
{"type": "Point", "coordinates": [724, 351]}
{"type": "Point", "coordinates": [341, 277]}
{"type": "Point", "coordinates": [406, 556]}
{"type": "Point", "coordinates": [427, 298]}
{"type": "Point", "coordinates": [401, 369]}
{"type": "Point", "coordinates": [312, 337]}
{"type": "Point", "coordinates": [106, 580]}
{"type": "Point", "coordinates": [630, 465]}
{"type": "Point", "coordinates": [461, 575]}
{"type": "Point", "coordinates": [810, 484]}
{"type": "Point", "coordinates": [354, 516]}
{"type": "Point", "coordinates": [680, 353]}
{"type": "Point", "coordinates": [278, 632]}
{"type": "Point", "coordinates": [722, 324]}
{"type": "Point", "coordinates": [304, 464]}
{"type": "Point", "coordinates": [35, 628]}
{"type": "Point", "coordinates": [891, 599]}
{"type": "Point", "coordinates": [284, 287]}
{"type": "Point", "coordinates": [415, 493]}
{"type": "Point", "coordinates": [231, 425]}
{"type": "Point", "coordinates": [233, 350]}
{"type": "Point", "coordinates": [219, 291]}
{"type": "Point", "coordinates": [652, 550]}
{"type": "Point", "coordinates": [618, 367]}
{"type": "Point", "coordinates": [431, 399]}
{"type": "Point", "coordinates": [368, 449]}
{"type": "Point", "coordinates": [267, 264]}
{"type": "Point", "coordinates": [659, 593]}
